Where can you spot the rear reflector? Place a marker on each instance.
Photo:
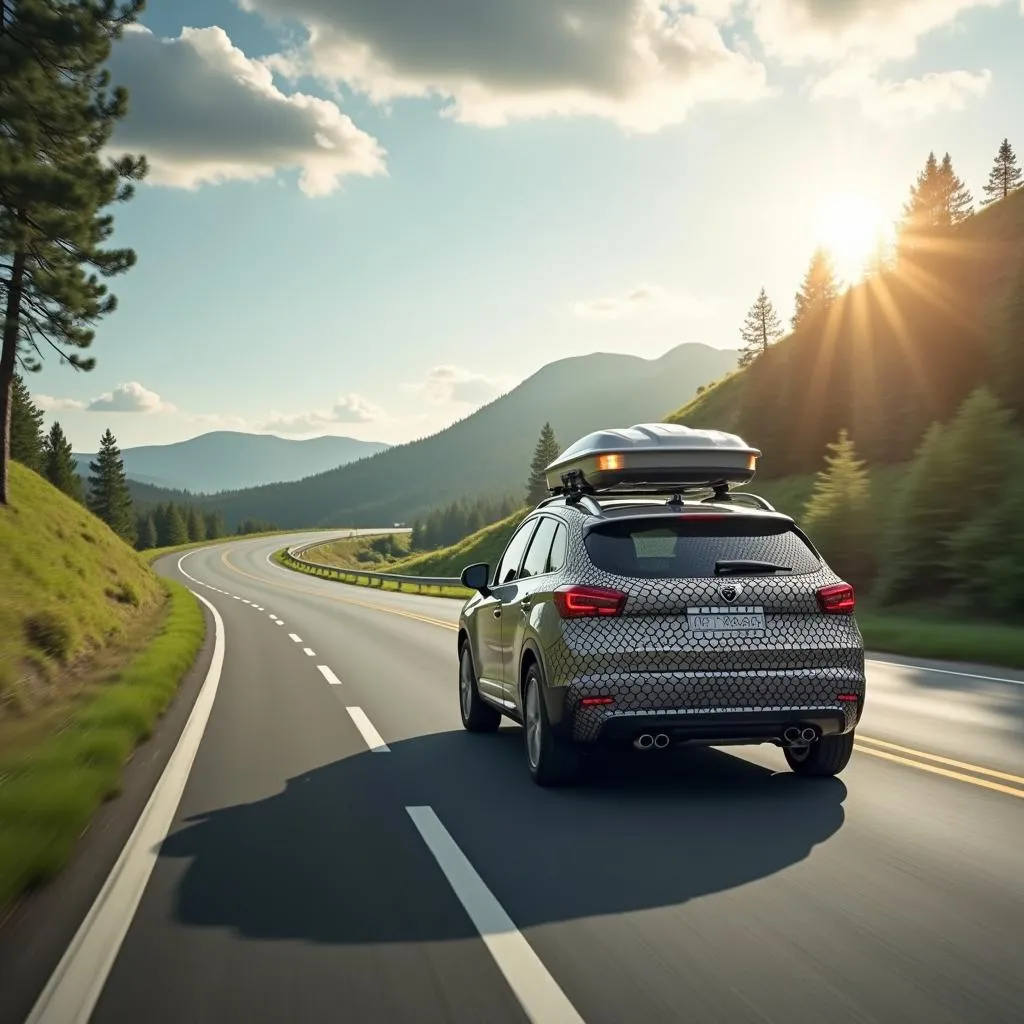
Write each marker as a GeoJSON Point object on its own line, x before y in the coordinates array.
{"type": "Point", "coordinates": [838, 599]}
{"type": "Point", "coordinates": [593, 702]}
{"type": "Point", "coordinates": [588, 602]}
{"type": "Point", "coordinates": [847, 698]}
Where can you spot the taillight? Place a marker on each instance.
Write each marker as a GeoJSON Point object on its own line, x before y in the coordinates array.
{"type": "Point", "coordinates": [838, 599]}
{"type": "Point", "coordinates": [587, 602]}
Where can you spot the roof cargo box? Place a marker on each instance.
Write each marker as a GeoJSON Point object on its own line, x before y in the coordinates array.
{"type": "Point", "coordinates": [652, 458]}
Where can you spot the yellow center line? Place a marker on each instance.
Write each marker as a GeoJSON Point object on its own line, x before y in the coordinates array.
{"type": "Point", "coordinates": [334, 597]}
{"type": "Point", "coordinates": [967, 766]}
{"type": "Point", "coordinates": [860, 745]}
{"type": "Point", "coordinates": [984, 783]}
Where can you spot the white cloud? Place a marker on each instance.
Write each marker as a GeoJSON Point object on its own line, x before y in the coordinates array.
{"type": "Point", "coordinates": [646, 300]}
{"type": "Point", "coordinates": [911, 99]}
{"type": "Point", "coordinates": [643, 64]}
{"type": "Point", "coordinates": [456, 385]}
{"type": "Point", "coordinates": [130, 397]}
{"type": "Point", "coordinates": [347, 409]}
{"type": "Point", "coordinates": [50, 404]}
{"type": "Point", "coordinates": [827, 31]}
{"type": "Point", "coordinates": [202, 112]}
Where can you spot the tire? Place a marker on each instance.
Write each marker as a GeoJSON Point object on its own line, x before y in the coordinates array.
{"type": "Point", "coordinates": [477, 716]}
{"type": "Point", "coordinates": [829, 756]}
{"type": "Point", "coordinates": [551, 760]}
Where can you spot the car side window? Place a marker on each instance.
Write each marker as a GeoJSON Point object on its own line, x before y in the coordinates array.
{"type": "Point", "coordinates": [536, 561]}
{"type": "Point", "coordinates": [557, 557]}
{"type": "Point", "coordinates": [509, 565]}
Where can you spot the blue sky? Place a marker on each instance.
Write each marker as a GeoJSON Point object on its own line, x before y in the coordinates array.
{"type": "Point", "coordinates": [371, 217]}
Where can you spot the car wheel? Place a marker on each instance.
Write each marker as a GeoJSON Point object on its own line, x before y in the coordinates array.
{"type": "Point", "coordinates": [829, 756]}
{"type": "Point", "coordinates": [476, 715]}
{"type": "Point", "coordinates": [552, 761]}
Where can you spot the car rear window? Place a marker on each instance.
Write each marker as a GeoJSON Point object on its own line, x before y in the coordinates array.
{"type": "Point", "coordinates": [655, 549]}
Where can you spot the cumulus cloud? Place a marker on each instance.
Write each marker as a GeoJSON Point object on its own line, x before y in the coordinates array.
{"type": "Point", "coordinates": [347, 409]}
{"type": "Point", "coordinates": [641, 63]}
{"type": "Point", "coordinates": [911, 99]}
{"type": "Point", "coordinates": [645, 300]}
{"type": "Point", "coordinates": [50, 404]}
{"type": "Point", "coordinates": [130, 397]}
{"type": "Point", "coordinates": [202, 112]}
{"type": "Point", "coordinates": [827, 31]}
{"type": "Point", "coordinates": [456, 385]}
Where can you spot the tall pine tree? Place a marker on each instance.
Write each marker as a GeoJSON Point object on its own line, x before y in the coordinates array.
{"type": "Point", "coordinates": [544, 454]}
{"type": "Point", "coordinates": [923, 211]}
{"type": "Point", "coordinates": [761, 327]}
{"type": "Point", "coordinates": [957, 201]}
{"type": "Point", "coordinates": [59, 465]}
{"type": "Point", "coordinates": [57, 115]}
{"type": "Point", "coordinates": [109, 498]}
{"type": "Point", "coordinates": [1005, 177]}
{"type": "Point", "coordinates": [26, 427]}
{"type": "Point", "coordinates": [819, 290]}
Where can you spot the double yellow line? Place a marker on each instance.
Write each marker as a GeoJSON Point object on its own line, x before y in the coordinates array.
{"type": "Point", "coordinates": [947, 767]}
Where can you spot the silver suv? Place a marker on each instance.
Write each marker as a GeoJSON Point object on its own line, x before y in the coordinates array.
{"type": "Point", "coordinates": [653, 623]}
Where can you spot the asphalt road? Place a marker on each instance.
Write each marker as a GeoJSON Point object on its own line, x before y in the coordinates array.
{"type": "Point", "coordinates": [344, 851]}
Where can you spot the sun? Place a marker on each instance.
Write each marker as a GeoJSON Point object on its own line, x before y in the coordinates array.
{"type": "Point", "coordinates": [852, 229]}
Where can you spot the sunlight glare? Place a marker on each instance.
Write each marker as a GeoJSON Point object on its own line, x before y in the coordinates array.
{"type": "Point", "coordinates": [852, 229]}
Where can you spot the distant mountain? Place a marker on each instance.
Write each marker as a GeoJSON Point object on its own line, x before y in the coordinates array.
{"type": "Point", "coordinates": [227, 460]}
{"type": "Point", "coordinates": [489, 452]}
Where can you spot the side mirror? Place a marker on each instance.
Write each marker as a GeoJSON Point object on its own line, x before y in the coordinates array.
{"type": "Point", "coordinates": [475, 577]}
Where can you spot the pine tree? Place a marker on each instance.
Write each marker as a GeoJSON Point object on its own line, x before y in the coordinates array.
{"type": "Point", "coordinates": [109, 498]}
{"type": "Point", "coordinates": [26, 427]}
{"type": "Point", "coordinates": [59, 466]}
{"type": "Point", "coordinates": [759, 330]}
{"type": "Point", "coordinates": [957, 201]}
{"type": "Point", "coordinates": [1005, 177]}
{"type": "Point", "coordinates": [819, 289]}
{"type": "Point", "coordinates": [177, 527]}
{"type": "Point", "coordinates": [544, 454]}
{"type": "Point", "coordinates": [196, 525]}
{"type": "Point", "coordinates": [838, 515]}
{"type": "Point", "coordinates": [215, 525]}
{"type": "Point", "coordinates": [923, 211]}
{"type": "Point", "coordinates": [56, 119]}
{"type": "Point", "coordinates": [147, 533]}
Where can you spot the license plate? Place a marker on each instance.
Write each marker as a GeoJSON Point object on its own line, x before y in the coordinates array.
{"type": "Point", "coordinates": [727, 623]}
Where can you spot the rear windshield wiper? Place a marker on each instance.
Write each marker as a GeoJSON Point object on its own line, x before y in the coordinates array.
{"type": "Point", "coordinates": [732, 566]}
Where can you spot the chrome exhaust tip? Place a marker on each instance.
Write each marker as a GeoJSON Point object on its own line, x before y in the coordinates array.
{"type": "Point", "coordinates": [644, 741]}
{"type": "Point", "coordinates": [792, 734]}
{"type": "Point", "coordinates": [809, 735]}
{"type": "Point", "coordinates": [661, 741]}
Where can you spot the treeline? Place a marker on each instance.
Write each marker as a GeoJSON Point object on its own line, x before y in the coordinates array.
{"type": "Point", "coordinates": [106, 492]}
{"type": "Point", "coordinates": [450, 524]}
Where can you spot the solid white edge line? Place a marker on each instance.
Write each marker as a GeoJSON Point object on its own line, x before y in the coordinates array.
{"type": "Point", "coordinates": [309, 652]}
{"type": "Point", "coordinates": [531, 982]}
{"type": "Point", "coordinates": [372, 738]}
{"type": "Point", "coordinates": [326, 672]}
{"type": "Point", "coordinates": [75, 985]}
{"type": "Point", "coordinates": [295, 638]}
{"type": "Point", "coordinates": [943, 671]}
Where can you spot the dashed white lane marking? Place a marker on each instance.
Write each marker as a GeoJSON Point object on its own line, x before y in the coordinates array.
{"type": "Point", "coordinates": [271, 615]}
{"type": "Point", "coordinates": [326, 672]}
{"type": "Point", "coordinates": [279, 622]}
{"type": "Point", "coordinates": [309, 652]}
{"type": "Point", "coordinates": [538, 993]}
{"type": "Point", "coordinates": [366, 730]}
{"type": "Point", "coordinates": [295, 637]}
{"type": "Point", "coordinates": [246, 600]}
{"type": "Point", "coordinates": [75, 986]}
{"type": "Point", "coordinates": [236, 597]}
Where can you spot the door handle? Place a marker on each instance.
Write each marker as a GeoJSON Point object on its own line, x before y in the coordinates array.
{"type": "Point", "coordinates": [497, 613]}
{"type": "Point", "coordinates": [525, 604]}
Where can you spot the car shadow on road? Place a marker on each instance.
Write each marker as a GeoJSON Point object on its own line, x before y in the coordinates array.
{"type": "Point", "coordinates": [336, 858]}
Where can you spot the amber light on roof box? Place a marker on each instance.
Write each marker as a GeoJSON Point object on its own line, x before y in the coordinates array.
{"type": "Point", "coordinates": [752, 462]}
{"type": "Point", "coordinates": [612, 460]}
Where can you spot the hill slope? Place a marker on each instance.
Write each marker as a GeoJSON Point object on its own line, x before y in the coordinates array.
{"type": "Point", "coordinates": [489, 452]}
{"type": "Point", "coordinates": [227, 460]}
{"type": "Point", "coordinates": [891, 357]}
{"type": "Point", "coordinates": [70, 585]}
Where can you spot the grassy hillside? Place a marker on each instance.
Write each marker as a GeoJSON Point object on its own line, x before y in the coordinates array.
{"type": "Point", "coordinates": [70, 588]}
{"type": "Point", "coordinates": [489, 452]}
{"type": "Point", "coordinates": [893, 355]}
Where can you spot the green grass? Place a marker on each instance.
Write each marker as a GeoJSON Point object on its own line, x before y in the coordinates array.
{"type": "Point", "coordinates": [922, 637]}
{"type": "Point", "coordinates": [69, 588]}
{"type": "Point", "coordinates": [50, 791]}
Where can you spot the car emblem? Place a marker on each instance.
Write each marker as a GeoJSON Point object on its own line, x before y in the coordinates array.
{"type": "Point", "coordinates": [729, 592]}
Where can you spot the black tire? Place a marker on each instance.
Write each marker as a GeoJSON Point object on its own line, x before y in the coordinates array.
{"type": "Point", "coordinates": [551, 760]}
{"type": "Point", "coordinates": [829, 756]}
{"type": "Point", "coordinates": [477, 716]}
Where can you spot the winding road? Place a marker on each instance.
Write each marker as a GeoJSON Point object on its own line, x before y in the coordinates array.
{"type": "Point", "coordinates": [344, 851]}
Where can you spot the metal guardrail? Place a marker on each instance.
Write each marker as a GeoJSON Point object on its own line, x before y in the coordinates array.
{"type": "Point", "coordinates": [295, 554]}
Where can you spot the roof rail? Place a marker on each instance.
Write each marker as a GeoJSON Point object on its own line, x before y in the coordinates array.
{"type": "Point", "coordinates": [742, 498]}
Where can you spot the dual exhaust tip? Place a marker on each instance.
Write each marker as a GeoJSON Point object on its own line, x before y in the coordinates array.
{"type": "Point", "coordinates": [648, 741]}
{"type": "Point", "coordinates": [794, 735]}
